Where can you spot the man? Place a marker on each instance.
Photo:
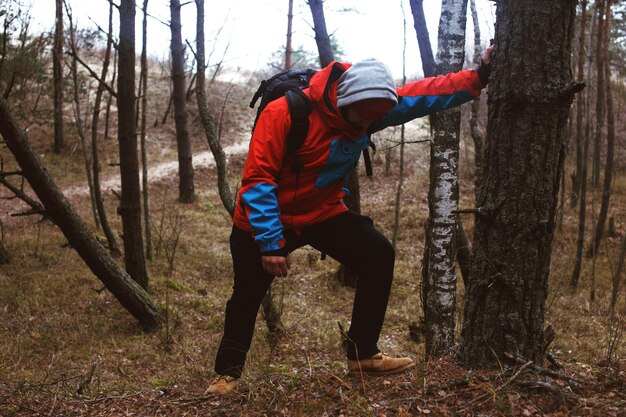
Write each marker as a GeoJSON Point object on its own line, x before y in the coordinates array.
{"type": "Point", "coordinates": [284, 205]}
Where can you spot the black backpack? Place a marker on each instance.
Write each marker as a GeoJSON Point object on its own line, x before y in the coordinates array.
{"type": "Point", "coordinates": [290, 84]}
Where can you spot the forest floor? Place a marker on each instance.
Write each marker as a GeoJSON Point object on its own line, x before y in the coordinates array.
{"type": "Point", "coordinates": [67, 348]}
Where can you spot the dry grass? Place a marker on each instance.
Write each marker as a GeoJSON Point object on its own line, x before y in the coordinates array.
{"type": "Point", "coordinates": [69, 349]}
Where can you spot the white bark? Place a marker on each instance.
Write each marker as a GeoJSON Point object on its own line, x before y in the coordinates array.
{"type": "Point", "coordinates": [440, 286]}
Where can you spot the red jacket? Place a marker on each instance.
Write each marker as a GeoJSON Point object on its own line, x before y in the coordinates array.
{"type": "Point", "coordinates": [273, 197]}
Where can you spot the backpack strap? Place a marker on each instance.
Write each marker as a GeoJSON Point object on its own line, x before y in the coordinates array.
{"type": "Point", "coordinates": [366, 156]}
{"type": "Point", "coordinates": [299, 110]}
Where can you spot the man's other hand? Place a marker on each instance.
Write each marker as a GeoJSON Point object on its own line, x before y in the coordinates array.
{"type": "Point", "coordinates": [278, 266]}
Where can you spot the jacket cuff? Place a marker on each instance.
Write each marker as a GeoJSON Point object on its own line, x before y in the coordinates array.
{"type": "Point", "coordinates": [274, 248]}
{"type": "Point", "coordinates": [278, 252]}
{"type": "Point", "coordinates": [483, 73]}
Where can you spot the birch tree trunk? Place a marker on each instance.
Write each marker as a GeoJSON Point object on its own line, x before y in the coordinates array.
{"type": "Point", "coordinates": [130, 204]}
{"type": "Point", "coordinates": [439, 283]}
{"type": "Point", "coordinates": [186, 192]}
{"type": "Point", "coordinates": [530, 96]}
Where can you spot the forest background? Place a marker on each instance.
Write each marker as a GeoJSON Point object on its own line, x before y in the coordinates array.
{"type": "Point", "coordinates": [70, 346]}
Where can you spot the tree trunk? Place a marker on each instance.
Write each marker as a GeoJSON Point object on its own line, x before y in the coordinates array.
{"type": "Point", "coordinates": [130, 204]}
{"type": "Point", "coordinates": [477, 136]}
{"type": "Point", "coordinates": [185, 164]}
{"type": "Point", "coordinates": [78, 117]}
{"type": "Point", "coordinates": [4, 255]}
{"type": "Point", "coordinates": [147, 220]}
{"type": "Point", "coordinates": [208, 122]}
{"type": "Point", "coordinates": [439, 290]}
{"type": "Point", "coordinates": [132, 297]}
{"type": "Point", "coordinates": [423, 39]}
{"type": "Point", "coordinates": [610, 137]}
{"type": "Point", "coordinates": [600, 100]}
{"type": "Point", "coordinates": [288, 49]}
{"type": "Point", "coordinates": [618, 273]}
{"type": "Point", "coordinates": [582, 210]}
{"type": "Point", "coordinates": [505, 298]}
{"type": "Point", "coordinates": [580, 75]}
{"type": "Point", "coordinates": [322, 39]}
{"type": "Point", "coordinates": [114, 247]}
{"type": "Point", "coordinates": [57, 71]}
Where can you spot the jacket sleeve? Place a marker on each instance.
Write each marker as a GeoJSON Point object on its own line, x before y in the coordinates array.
{"type": "Point", "coordinates": [258, 186]}
{"type": "Point", "coordinates": [432, 95]}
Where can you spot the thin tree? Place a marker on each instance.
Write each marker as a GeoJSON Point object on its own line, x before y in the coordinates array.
{"type": "Point", "coordinates": [397, 208]}
{"type": "Point", "coordinates": [610, 143]}
{"type": "Point", "coordinates": [130, 204]}
{"type": "Point", "coordinates": [423, 39]}
{"type": "Point", "coordinates": [144, 152]}
{"type": "Point", "coordinates": [78, 114]}
{"type": "Point", "coordinates": [288, 48]}
{"type": "Point", "coordinates": [186, 193]}
{"type": "Point", "coordinates": [582, 210]}
{"type": "Point", "coordinates": [477, 135]}
{"type": "Point", "coordinates": [130, 295]}
{"type": "Point", "coordinates": [114, 247]}
{"type": "Point", "coordinates": [208, 121]}
{"type": "Point", "coordinates": [324, 46]}
{"type": "Point", "coordinates": [526, 134]}
{"type": "Point", "coordinates": [618, 273]}
{"type": "Point", "coordinates": [57, 71]}
{"type": "Point", "coordinates": [580, 75]}
{"type": "Point", "coordinates": [600, 101]}
{"type": "Point", "coordinates": [439, 277]}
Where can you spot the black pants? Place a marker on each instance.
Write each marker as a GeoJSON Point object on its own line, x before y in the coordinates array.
{"type": "Point", "coordinates": [349, 238]}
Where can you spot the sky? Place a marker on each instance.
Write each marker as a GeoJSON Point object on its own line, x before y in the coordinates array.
{"type": "Point", "coordinates": [254, 29]}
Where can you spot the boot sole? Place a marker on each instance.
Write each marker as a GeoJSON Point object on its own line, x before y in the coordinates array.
{"type": "Point", "coordinates": [355, 372]}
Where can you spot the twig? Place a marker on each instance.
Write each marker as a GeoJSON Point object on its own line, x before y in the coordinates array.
{"type": "Point", "coordinates": [501, 387]}
{"type": "Point", "coordinates": [545, 371]}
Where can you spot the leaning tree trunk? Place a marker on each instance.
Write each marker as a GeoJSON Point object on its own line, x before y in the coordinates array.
{"type": "Point", "coordinates": [57, 71]}
{"type": "Point", "coordinates": [439, 283]}
{"type": "Point", "coordinates": [530, 97]}
{"type": "Point", "coordinates": [130, 204]}
{"type": "Point", "coordinates": [132, 297]}
{"type": "Point", "coordinates": [423, 40]}
{"type": "Point", "coordinates": [185, 164]}
{"type": "Point", "coordinates": [324, 47]}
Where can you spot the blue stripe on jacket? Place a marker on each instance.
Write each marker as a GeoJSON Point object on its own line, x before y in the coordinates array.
{"type": "Point", "coordinates": [264, 215]}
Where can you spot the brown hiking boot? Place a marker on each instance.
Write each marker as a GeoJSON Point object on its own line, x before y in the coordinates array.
{"type": "Point", "coordinates": [379, 364]}
{"type": "Point", "coordinates": [222, 385]}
